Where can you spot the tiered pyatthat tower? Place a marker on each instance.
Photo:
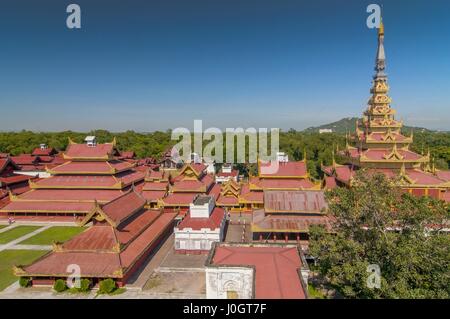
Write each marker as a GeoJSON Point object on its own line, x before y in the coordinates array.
{"type": "Point", "coordinates": [379, 145]}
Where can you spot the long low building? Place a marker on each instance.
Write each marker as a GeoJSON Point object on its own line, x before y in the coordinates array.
{"type": "Point", "coordinates": [287, 215]}
{"type": "Point", "coordinates": [122, 236]}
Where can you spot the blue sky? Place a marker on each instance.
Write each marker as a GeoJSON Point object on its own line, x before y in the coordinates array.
{"type": "Point", "coordinates": [154, 65]}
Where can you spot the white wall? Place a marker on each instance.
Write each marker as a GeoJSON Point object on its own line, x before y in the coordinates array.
{"type": "Point", "coordinates": [220, 280]}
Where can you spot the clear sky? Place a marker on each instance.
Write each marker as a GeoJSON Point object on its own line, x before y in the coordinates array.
{"type": "Point", "coordinates": [154, 65]}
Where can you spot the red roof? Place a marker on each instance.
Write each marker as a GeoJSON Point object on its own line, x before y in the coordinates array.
{"type": "Point", "coordinates": [43, 151]}
{"type": "Point", "coordinates": [285, 169]}
{"type": "Point", "coordinates": [227, 200]}
{"type": "Point", "coordinates": [124, 206]}
{"type": "Point", "coordinates": [276, 269]}
{"type": "Point", "coordinates": [154, 186]}
{"type": "Point", "coordinates": [446, 196]}
{"type": "Point", "coordinates": [91, 264]}
{"type": "Point", "coordinates": [444, 175]}
{"type": "Point", "coordinates": [47, 207]}
{"type": "Point", "coordinates": [153, 195]}
{"type": "Point", "coordinates": [330, 182]}
{"type": "Point", "coordinates": [85, 151]}
{"type": "Point", "coordinates": [92, 167]}
{"type": "Point", "coordinates": [213, 222]}
{"type": "Point", "coordinates": [92, 181]}
{"type": "Point", "coordinates": [295, 201]}
{"type": "Point", "coordinates": [95, 238]}
{"type": "Point", "coordinates": [379, 136]}
{"type": "Point", "coordinates": [287, 223]}
{"type": "Point", "coordinates": [183, 199]}
{"type": "Point", "coordinates": [25, 159]}
{"type": "Point", "coordinates": [14, 179]}
{"type": "Point", "coordinates": [127, 154]}
{"type": "Point", "coordinates": [281, 183]}
{"type": "Point", "coordinates": [379, 154]}
{"type": "Point", "coordinates": [138, 246]}
{"type": "Point", "coordinates": [72, 194]}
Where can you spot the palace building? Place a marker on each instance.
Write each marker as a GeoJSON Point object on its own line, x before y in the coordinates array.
{"type": "Point", "coordinates": [191, 181]}
{"type": "Point", "coordinates": [380, 146]}
{"type": "Point", "coordinates": [123, 234]}
{"type": "Point", "coordinates": [202, 226]}
{"type": "Point", "coordinates": [256, 271]}
{"type": "Point", "coordinates": [35, 164]}
{"type": "Point", "coordinates": [11, 184]}
{"type": "Point", "coordinates": [90, 174]}
{"type": "Point", "coordinates": [286, 176]}
{"type": "Point", "coordinates": [288, 215]}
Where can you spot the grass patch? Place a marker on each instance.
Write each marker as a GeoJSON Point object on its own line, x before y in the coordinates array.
{"type": "Point", "coordinates": [2, 226]}
{"type": "Point", "coordinates": [315, 293]}
{"type": "Point", "coordinates": [153, 282]}
{"type": "Point", "coordinates": [53, 234]}
{"type": "Point", "coordinates": [16, 232]}
{"type": "Point", "coordinates": [9, 258]}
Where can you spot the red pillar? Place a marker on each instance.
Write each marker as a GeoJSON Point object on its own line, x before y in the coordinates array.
{"type": "Point", "coordinates": [286, 237]}
{"type": "Point", "coordinates": [260, 237]}
{"type": "Point", "coordinates": [298, 238]}
{"type": "Point", "coordinates": [275, 238]}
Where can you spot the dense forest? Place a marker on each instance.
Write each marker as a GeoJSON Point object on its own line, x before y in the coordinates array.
{"type": "Point", "coordinates": [318, 147]}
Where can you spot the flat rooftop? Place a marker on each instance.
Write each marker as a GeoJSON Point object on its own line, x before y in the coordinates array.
{"type": "Point", "coordinates": [202, 200]}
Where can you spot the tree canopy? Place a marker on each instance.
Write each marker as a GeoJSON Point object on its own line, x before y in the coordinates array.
{"type": "Point", "coordinates": [378, 224]}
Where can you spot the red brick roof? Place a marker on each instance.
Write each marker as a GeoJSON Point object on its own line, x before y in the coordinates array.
{"type": "Point", "coordinates": [44, 152]}
{"type": "Point", "coordinates": [287, 223]}
{"type": "Point", "coordinates": [47, 207]}
{"type": "Point", "coordinates": [85, 151]}
{"type": "Point", "coordinates": [124, 206]}
{"type": "Point", "coordinates": [153, 195]}
{"type": "Point", "coordinates": [276, 269]}
{"type": "Point", "coordinates": [444, 175]}
{"type": "Point", "coordinates": [295, 201]}
{"type": "Point", "coordinates": [213, 222]}
{"type": "Point", "coordinates": [281, 183]}
{"type": "Point", "coordinates": [92, 167]}
{"type": "Point", "coordinates": [285, 169]}
{"type": "Point", "coordinates": [72, 194]}
{"type": "Point", "coordinates": [92, 264]}
{"type": "Point", "coordinates": [155, 186]}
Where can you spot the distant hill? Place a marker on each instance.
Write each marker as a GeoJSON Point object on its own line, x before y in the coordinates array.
{"type": "Point", "coordinates": [348, 125]}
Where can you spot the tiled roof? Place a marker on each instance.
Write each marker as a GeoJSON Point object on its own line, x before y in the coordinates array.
{"type": "Point", "coordinates": [92, 167]}
{"type": "Point", "coordinates": [48, 207]}
{"type": "Point", "coordinates": [282, 183]}
{"type": "Point", "coordinates": [213, 222]}
{"type": "Point", "coordinates": [276, 269]}
{"type": "Point", "coordinates": [92, 264]}
{"type": "Point", "coordinates": [123, 207]}
{"type": "Point", "coordinates": [287, 223]}
{"type": "Point", "coordinates": [285, 169]}
{"type": "Point", "coordinates": [85, 151]}
{"type": "Point", "coordinates": [72, 194]}
{"type": "Point", "coordinates": [153, 195]}
{"type": "Point", "coordinates": [295, 201]}
{"type": "Point", "coordinates": [44, 152]}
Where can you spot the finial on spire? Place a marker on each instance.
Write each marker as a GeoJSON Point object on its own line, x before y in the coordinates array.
{"type": "Point", "coordinates": [380, 63]}
{"type": "Point", "coordinates": [381, 27]}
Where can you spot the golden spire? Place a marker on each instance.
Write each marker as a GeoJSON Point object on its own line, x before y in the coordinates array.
{"type": "Point", "coordinates": [381, 28]}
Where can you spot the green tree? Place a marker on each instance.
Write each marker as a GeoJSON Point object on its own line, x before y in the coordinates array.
{"type": "Point", "coordinates": [377, 223]}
